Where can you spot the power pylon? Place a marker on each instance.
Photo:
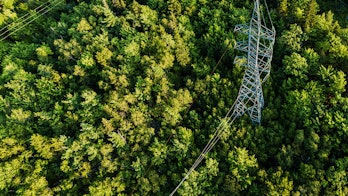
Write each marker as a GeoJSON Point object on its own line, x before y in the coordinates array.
{"type": "Point", "coordinates": [259, 47]}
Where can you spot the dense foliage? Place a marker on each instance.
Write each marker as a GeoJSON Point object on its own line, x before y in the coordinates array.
{"type": "Point", "coordinates": [118, 97]}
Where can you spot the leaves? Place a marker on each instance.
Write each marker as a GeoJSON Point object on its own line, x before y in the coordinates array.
{"type": "Point", "coordinates": [119, 97]}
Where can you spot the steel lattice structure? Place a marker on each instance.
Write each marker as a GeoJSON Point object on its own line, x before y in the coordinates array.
{"type": "Point", "coordinates": [259, 47]}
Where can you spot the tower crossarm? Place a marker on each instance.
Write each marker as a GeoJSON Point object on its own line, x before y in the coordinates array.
{"type": "Point", "coordinates": [242, 28]}
{"type": "Point", "coordinates": [242, 46]}
{"type": "Point", "coordinates": [265, 33]}
{"type": "Point", "coordinates": [262, 50]}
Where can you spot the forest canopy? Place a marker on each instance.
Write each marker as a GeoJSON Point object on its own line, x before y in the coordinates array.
{"type": "Point", "coordinates": [119, 97]}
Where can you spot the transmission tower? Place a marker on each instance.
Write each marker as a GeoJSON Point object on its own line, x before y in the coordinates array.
{"type": "Point", "coordinates": [259, 47]}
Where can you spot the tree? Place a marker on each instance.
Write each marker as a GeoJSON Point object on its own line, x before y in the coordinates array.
{"type": "Point", "coordinates": [119, 97]}
{"type": "Point", "coordinates": [241, 169]}
{"type": "Point", "coordinates": [292, 39]}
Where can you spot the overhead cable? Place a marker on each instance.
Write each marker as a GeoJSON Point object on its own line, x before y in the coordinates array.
{"type": "Point", "coordinates": [31, 19]}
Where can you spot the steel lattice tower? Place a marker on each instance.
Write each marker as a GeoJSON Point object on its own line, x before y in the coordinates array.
{"type": "Point", "coordinates": [259, 47]}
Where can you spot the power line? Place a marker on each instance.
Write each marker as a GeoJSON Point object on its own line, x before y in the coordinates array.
{"type": "Point", "coordinates": [223, 126]}
{"type": "Point", "coordinates": [9, 27]}
{"type": "Point", "coordinates": [258, 63]}
{"type": "Point", "coordinates": [345, 4]}
{"type": "Point", "coordinates": [188, 109]}
{"type": "Point", "coordinates": [32, 17]}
